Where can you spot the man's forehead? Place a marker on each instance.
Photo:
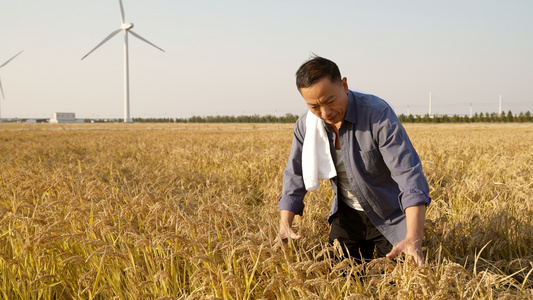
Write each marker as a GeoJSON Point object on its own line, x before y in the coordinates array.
{"type": "Point", "coordinates": [318, 92]}
{"type": "Point", "coordinates": [319, 100]}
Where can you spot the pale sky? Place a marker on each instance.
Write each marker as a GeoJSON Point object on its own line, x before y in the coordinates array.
{"type": "Point", "coordinates": [238, 57]}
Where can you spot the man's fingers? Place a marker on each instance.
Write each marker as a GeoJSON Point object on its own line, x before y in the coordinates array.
{"type": "Point", "coordinates": [417, 254]}
{"type": "Point", "coordinates": [394, 252]}
{"type": "Point", "coordinates": [295, 236]}
{"type": "Point", "coordinates": [412, 251]}
{"type": "Point", "coordinates": [292, 235]}
{"type": "Point", "coordinates": [419, 258]}
{"type": "Point", "coordinates": [284, 237]}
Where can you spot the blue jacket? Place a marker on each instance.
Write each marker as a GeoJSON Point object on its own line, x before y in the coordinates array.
{"type": "Point", "coordinates": [383, 168]}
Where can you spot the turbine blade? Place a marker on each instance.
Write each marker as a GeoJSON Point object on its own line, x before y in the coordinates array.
{"type": "Point", "coordinates": [102, 42]}
{"type": "Point", "coordinates": [11, 59]}
{"type": "Point", "coordinates": [122, 15]}
{"type": "Point", "coordinates": [143, 39]}
{"type": "Point", "coordinates": [1, 90]}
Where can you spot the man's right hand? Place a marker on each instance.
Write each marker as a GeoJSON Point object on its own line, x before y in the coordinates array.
{"type": "Point", "coordinates": [285, 227]}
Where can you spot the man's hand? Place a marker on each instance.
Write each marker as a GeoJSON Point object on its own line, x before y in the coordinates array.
{"type": "Point", "coordinates": [409, 246]}
{"type": "Point", "coordinates": [412, 244]}
{"type": "Point", "coordinates": [285, 227]}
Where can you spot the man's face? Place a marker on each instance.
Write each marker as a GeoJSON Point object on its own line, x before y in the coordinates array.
{"type": "Point", "coordinates": [327, 100]}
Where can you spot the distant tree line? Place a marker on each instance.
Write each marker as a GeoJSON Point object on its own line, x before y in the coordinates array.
{"type": "Point", "coordinates": [291, 118]}
{"type": "Point", "coordinates": [288, 118]}
{"type": "Point", "coordinates": [485, 118]}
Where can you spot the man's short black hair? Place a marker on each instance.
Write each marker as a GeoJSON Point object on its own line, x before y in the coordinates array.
{"type": "Point", "coordinates": [315, 69]}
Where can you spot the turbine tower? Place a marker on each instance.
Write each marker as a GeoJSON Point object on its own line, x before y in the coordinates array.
{"type": "Point", "coordinates": [126, 28]}
{"type": "Point", "coordinates": [429, 114]}
{"type": "Point", "coordinates": [1, 90]}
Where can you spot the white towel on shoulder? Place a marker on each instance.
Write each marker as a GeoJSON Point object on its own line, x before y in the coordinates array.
{"type": "Point", "coordinates": [316, 154]}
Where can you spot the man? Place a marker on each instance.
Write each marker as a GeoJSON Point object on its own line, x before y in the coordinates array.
{"type": "Point", "coordinates": [380, 190]}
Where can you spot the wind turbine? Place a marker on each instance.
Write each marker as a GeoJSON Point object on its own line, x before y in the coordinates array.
{"type": "Point", "coordinates": [126, 28]}
{"type": "Point", "coordinates": [1, 90]}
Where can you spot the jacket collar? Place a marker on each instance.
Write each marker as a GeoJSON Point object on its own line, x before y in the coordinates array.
{"type": "Point", "coordinates": [351, 111]}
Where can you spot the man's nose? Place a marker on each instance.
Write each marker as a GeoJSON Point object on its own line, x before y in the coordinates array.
{"type": "Point", "coordinates": [324, 111]}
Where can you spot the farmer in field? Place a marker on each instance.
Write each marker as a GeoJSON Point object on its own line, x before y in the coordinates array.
{"type": "Point", "coordinates": [355, 140]}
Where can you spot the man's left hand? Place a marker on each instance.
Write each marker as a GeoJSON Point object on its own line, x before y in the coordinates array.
{"type": "Point", "coordinates": [409, 246]}
{"type": "Point", "coordinates": [412, 244]}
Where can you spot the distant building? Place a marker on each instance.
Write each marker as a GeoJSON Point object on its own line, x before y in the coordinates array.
{"type": "Point", "coordinates": [62, 117]}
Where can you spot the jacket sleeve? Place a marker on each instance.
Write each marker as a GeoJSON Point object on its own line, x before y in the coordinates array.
{"type": "Point", "coordinates": [294, 190]}
{"type": "Point", "coordinates": [402, 160]}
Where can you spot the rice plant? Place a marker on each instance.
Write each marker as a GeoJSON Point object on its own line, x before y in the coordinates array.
{"type": "Point", "coordinates": [189, 211]}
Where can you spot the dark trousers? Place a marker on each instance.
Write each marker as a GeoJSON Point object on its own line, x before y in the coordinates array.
{"type": "Point", "coordinates": [356, 233]}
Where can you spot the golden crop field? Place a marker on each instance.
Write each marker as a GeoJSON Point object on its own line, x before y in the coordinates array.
{"type": "Point", "coordinates": [189, 211]}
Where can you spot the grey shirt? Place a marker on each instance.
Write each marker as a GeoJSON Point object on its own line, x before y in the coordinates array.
{"type": "Point", "coordinates": [384, 170]}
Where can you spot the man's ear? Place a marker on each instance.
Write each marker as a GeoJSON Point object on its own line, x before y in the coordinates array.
{"type": "Point", "coordinates": [344, 82]}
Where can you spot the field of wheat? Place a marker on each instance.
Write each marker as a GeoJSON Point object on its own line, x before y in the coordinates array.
{"type": "Point", "coordinates": [189, 211]}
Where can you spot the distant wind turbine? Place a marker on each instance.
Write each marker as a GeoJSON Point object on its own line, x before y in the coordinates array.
{"type": "Point", "coordinates": [126, 27]}
{"type": "Point", "coordinates": [1, 90]}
